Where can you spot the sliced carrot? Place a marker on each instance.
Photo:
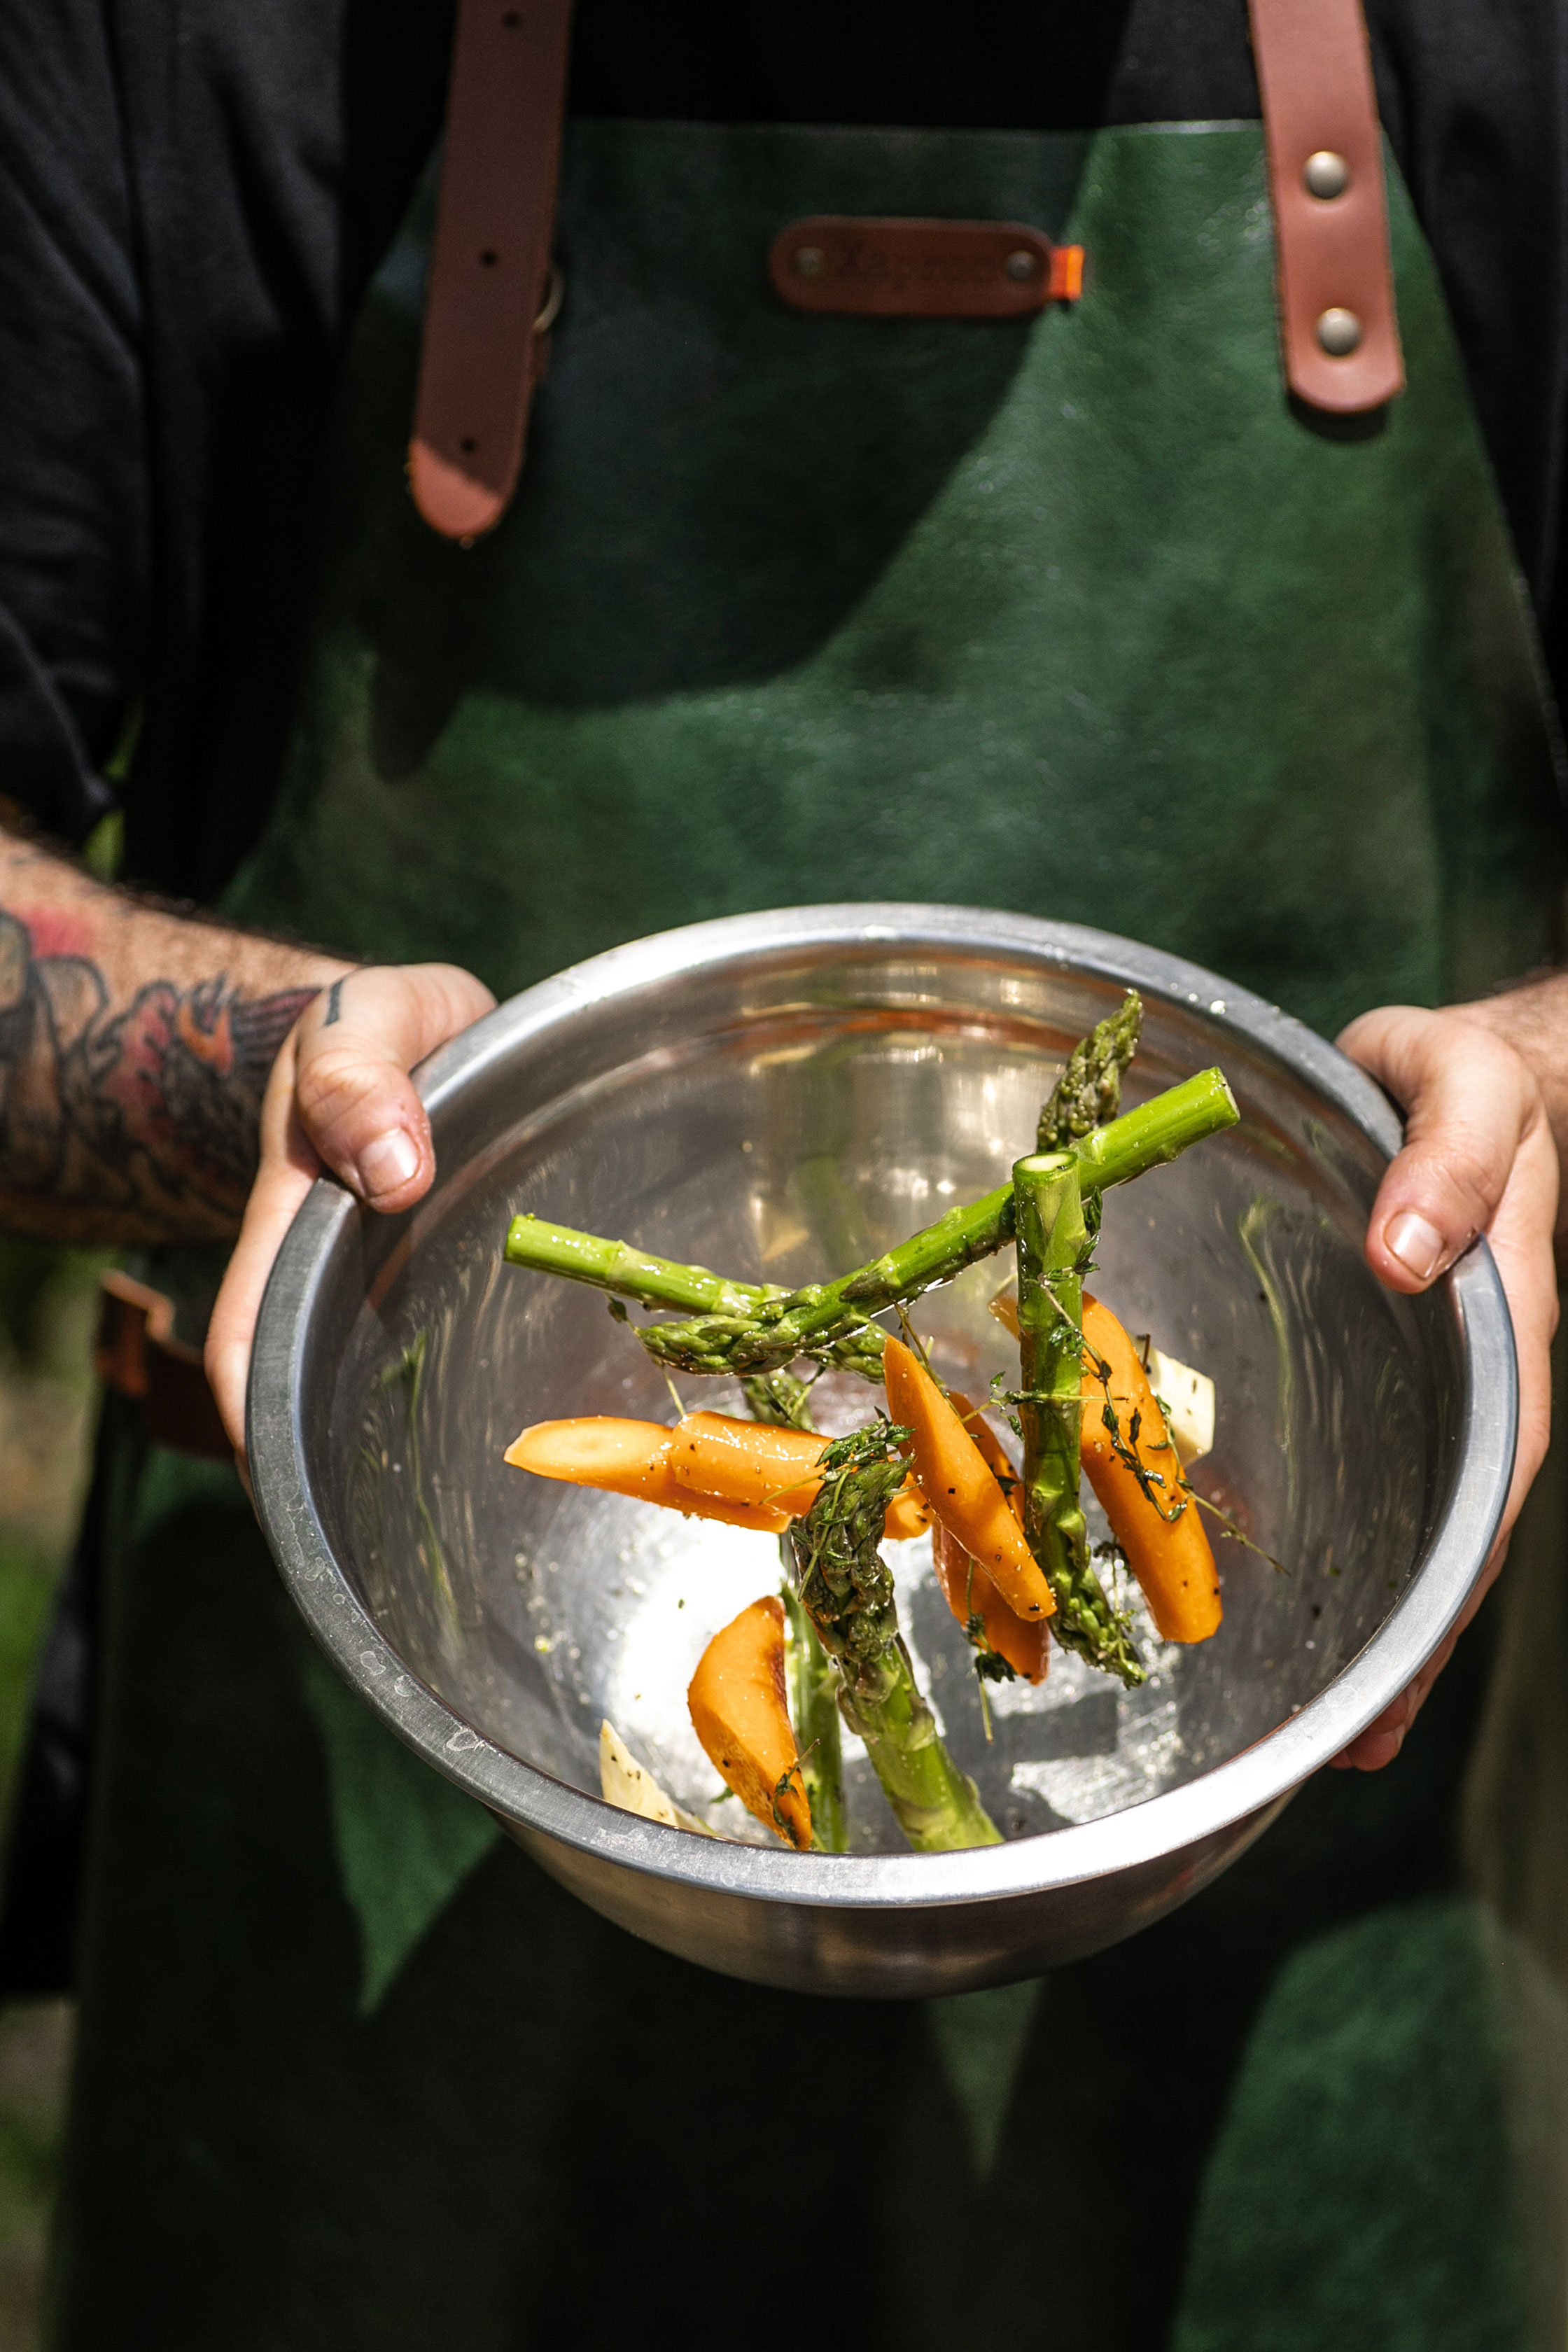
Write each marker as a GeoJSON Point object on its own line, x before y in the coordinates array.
{"type": "Point", "coordinates": [969, 1591]}
{"type": "Point", "coordinates": [1026, 1643]}
{"type": "Point", "coordinates": [747, 1461]}
{"type": "Point", "coordinates": [991, 1449]}
{"type": "Point", "coordinates": [1170, 1557]}
{"type": "Point", "coordinates": [909, 1514]}
{"type": "Point", "coordinates": [754, 1462]}
{"type": "Point", "coordinates": [960, 1486]}
{"type": "Point", "coordinates": [740, 1715]}
{"type": "Point", "coordinates": [628, 1457]}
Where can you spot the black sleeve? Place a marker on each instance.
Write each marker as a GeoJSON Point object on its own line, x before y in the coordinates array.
{"type": "Point", "coordinates": [1474, 94]}
{"type": "Point", "coordinates": [73, 531]}
{"type": "Point", "coordinates": [192, 195]}
{"type": "Point", "coordinates": [271, 151]}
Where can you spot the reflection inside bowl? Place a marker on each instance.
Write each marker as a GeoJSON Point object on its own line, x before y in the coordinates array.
{"type": "Point", "coordinates": [789, 1151]}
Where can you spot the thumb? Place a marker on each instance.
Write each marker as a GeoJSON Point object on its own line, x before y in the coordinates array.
{"type": "Point", "coordinates": [1471, 1105]}
{"type": "Point", "coordinates": [356, 1106]}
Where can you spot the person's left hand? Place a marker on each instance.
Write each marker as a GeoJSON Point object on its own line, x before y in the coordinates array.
{"type": "Point", "coordinates": [340, 1098]}
{"type": "Point", "coordinates": [1478, 1158]}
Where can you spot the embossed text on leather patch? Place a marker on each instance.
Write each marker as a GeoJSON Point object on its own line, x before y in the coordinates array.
{"type": "Point", "coordinates": [921, 269]}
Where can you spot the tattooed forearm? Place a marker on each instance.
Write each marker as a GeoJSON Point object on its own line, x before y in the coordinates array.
{"type": "Point", "coordinates": [130, 1103]}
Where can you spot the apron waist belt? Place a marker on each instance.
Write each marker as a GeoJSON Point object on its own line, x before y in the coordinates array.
{"type": "Point", "coordinates": [136, 1352]}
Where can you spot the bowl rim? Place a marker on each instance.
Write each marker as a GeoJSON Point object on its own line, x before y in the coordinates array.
{"type": "Point", "coordinates": [1140, 1834]}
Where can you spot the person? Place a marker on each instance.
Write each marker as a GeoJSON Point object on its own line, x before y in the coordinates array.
{"type": "Point", "coordinates": [348, 2071]}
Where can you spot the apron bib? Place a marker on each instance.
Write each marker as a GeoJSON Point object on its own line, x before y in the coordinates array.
{"type": "Point", "coordinates": [1075, 615]}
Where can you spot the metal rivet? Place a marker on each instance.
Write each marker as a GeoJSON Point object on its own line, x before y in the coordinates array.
{"type": "Point", "coordinates": [1022, 265]}
{"type": "Point", "coordinates": [808, 261]}
{"type": "Point", "coordinates": [1327, 175]}
{"type": "Point", "coordinates": [1339, 331]}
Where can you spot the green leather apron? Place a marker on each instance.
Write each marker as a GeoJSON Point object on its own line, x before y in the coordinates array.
{"type": "Point", "coordinates": [1074, 615]}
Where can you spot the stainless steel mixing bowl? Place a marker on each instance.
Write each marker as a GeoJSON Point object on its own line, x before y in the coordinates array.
{"type": "Point", "coordinates": [779, 1095]}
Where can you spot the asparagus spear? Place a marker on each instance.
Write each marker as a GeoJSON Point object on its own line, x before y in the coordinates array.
{"type": "Point", "coordinates": [1088, 1093]}
{"type": "Point", "coordinates": [779, 1398]}
{"type": "Point", "coordinates": [814, 1689]}
{"type": "Point", "coordinates": [1086, 1097]}
{"type": "Point", "coordinates": [846, 1590]}
{"type": "Point", "coordinates": [786, 1402]}
{"type": "Point", "coordinates": [1053, 1242]}
{"type": "Point", "coordinates": [631, 1273]}
{"type": "Point", "coordinates": [747, 1328]}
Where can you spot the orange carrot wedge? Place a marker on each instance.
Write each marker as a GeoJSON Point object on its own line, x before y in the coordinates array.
{"type": "Point", "coordinates": [740, 1715]}
{"type": "Point", "coordinates": [960, 1487]}
{"type": "Point", "coordinates": [1170, 1557]}
{"type": "Point", "coordinates": [628, 1457]}
{"type": "Point", "coordinates": [747, 1461]}
{"type": "Point", "coordinates": [1024, 1644]}
{"type": "Point", "coordinates": [968, 1591]}
{"type": "Point", "coordinates": [754, 1462]}
{"type": "Point", "coordinates": [909, 1514]}
{"type": "Point", "coordinates": [991, 1450]}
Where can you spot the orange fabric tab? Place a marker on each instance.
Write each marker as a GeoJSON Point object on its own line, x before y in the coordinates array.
{"type": "Point", "coordinates": [1066, 281]}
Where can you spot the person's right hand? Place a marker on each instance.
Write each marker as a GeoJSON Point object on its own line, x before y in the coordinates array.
{"type": "Point", "coordinates": [1478, 1158]}
{"type": "Point", "coordinates": [338, 1097]}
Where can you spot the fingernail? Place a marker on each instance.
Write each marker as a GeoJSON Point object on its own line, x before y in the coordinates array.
{"type": "Point", "coordinates": [388, 1162]}
{"type": "Point", "coordinates": [1417, 1245]}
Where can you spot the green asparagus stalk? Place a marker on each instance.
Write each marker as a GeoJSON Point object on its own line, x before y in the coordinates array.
{"type": "Point", "coordinates": [779, 1398]}
{"type": "Point", "coordinates": [1088, 1093]}
{"type": "Point", "coordinates": [786, 1402]}
{"type": "Point", "coordinates": [631, 1273]}
{"type": "Point", "coordinates": [833, 1320]}
{"type": "Point", "coordinates": [1158, 1131]}
{"type": "Point", "coordinates": [846, 1589]}
{"type": "Point", "coordinates": [1053, 1248]}
{"type": "Point", "coordinates": [813, 1687]}
{"type": "Point", "coordinates": [744, 1327]}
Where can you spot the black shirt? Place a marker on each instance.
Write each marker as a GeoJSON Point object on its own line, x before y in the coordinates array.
{"type": "Point", "coordinates": [194, 193]}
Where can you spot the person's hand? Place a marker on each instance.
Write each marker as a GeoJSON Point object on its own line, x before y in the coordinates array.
{"type": "Point", "coordinates": [1478, 1158]}
{"type": "Point", "coordinates": [338, 1097]}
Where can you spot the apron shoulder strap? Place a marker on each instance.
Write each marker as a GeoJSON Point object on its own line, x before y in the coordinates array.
{"type": "Point", "coordinates": [490, 264]}
{"type": "Point", "coordinates": [1337, 322]}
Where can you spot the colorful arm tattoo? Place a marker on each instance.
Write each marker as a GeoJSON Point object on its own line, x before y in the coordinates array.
{"type": "Point", "coordinates": [146, 1114]}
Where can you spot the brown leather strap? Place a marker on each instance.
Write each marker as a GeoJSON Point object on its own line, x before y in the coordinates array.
{"type": "Point", "coordinates": [490, 265]}
{"type": "Point", "coordinates": [1337, 320]}
{"type": "Point", "coordinates": [873, 269]}
{"type": "Point", "coordinates": [137, 1353]}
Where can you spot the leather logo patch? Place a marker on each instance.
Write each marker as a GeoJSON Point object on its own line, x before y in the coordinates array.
{"type": "Point", "coordinates": [921, 269]}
